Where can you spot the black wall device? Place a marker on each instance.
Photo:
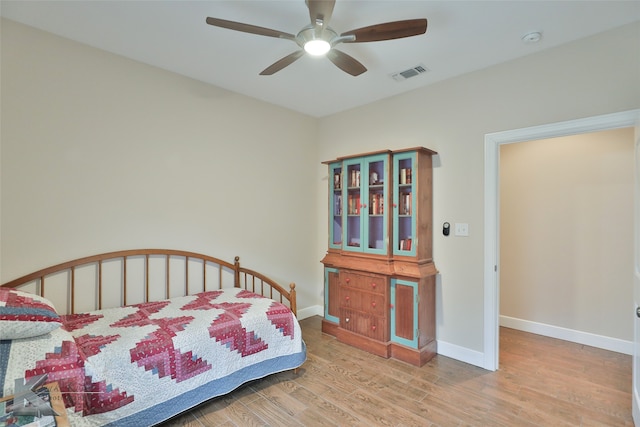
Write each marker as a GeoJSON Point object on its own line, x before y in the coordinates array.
{"type": "Point", "coordinates": [445, 228]}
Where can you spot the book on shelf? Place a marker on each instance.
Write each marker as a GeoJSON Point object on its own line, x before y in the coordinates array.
{"type": "Point", "coordinates": [338, 211]}
{"type": "Point", "coordinates": [405, 203]}
{"type": "Point", "coordinates": [405, 176]}
{"type": "Point", "coordinates": [376, 204]}
{"type": "Point", "coordinates": [405, 244]}
{"type": "Point", "coordinates": [355, 178]}
{"type": "Point", "coordinates": [353, 204]}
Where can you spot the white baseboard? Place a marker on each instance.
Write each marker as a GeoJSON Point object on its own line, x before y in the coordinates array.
{"type": "Point", "coordinates": [314, 310]}
{"type": "Point", "coordinates": [462, 354]}
{"type": "Point", "coordinates": [586, 338]}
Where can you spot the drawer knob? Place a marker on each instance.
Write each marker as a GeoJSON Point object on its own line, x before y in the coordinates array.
{"type": "Point", "coordinates": [347, 298]}
{"type": "Point", "coordinates": [373, 328]}
{"type": "Point", "coordinates": [373, 285]}
{"type": "Point", "coordinates": [346, 320]}
{"type": "Point", "coordinates": [347, 280]}
{"type": "Point", "coordinates": [373, 304]}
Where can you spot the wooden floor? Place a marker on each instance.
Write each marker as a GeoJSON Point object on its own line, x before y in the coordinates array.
{"type": "Point", "coordinates": [541, 382]}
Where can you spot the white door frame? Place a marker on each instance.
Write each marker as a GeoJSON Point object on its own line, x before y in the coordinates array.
{"type": "Point", "coordinates": [635, 384]}
{"type": "Point", "coordinates": [492, 144]}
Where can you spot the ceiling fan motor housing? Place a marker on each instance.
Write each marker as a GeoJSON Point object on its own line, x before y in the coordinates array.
{"type": "Point", "coordinates": [313, 33]}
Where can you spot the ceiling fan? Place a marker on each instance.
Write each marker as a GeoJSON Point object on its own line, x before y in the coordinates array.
{"type": "Point", "coordinates": [318, 38]}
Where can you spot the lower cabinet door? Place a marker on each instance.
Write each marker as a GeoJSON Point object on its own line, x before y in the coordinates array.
{"type": "Point", "coordinates": [404, 312]}
{"type": "Point", "coordinates": [331, 295]}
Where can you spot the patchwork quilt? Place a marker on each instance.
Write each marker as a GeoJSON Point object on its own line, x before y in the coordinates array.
{"type": "Point", "coordinates": [142, 364]}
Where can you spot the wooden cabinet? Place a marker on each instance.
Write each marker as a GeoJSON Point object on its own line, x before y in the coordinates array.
{"type": "Point", "coordinates": [379, 271]}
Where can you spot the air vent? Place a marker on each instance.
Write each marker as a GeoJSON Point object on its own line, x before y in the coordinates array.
{"type": "Point", "coordinates": [411, 72]}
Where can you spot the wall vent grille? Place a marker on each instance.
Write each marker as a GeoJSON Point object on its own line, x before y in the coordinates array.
{"type": "Point", "coordinates": [411, 72]}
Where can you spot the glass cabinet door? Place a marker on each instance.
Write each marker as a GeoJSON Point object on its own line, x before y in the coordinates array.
{"type": "Point", "coordinates": [365, 229]}
{"type": "Point", "coordinates": [376, 212]}
{"type": "Point", "coordinates": [404, 203]}
{"type": "Point", "coordinates": [335, 205]}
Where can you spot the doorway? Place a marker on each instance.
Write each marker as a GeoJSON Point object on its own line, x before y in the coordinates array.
{"type": "Point", "coordinates": [491, 210]}
{"type": "Point", "coordinates": [566, 211]}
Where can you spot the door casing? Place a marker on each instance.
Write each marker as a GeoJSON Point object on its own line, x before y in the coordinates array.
{"type": "Point", "coordinates": [636, 281]}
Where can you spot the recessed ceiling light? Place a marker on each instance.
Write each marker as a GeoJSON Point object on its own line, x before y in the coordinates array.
{"type": "Point", "coordinates": [533, 37]}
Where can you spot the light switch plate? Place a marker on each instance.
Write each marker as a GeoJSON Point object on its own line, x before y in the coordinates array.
{"type": "Point", "coordinates": [461, 229]}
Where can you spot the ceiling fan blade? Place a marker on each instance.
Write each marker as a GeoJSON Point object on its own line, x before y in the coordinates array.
{"type": "Point", "coordinates": [280, 64]}
{"type": "Point", "coordinates": [346, 63]}
{"type": "Point", "coordinates": [247, 28]}
{"type": "Point", "coordinates": [387, 31]}
{"type": "Point", "coordinates": [320, 9]}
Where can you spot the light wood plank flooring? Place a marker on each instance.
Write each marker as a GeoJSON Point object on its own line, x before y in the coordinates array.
{"type": "Point", "coordinates": [541, 382]}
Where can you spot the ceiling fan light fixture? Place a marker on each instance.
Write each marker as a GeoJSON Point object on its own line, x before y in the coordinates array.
{"type": "Point", "coordinates": [317, 47]}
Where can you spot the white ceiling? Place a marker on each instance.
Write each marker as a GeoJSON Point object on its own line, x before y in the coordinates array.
{"type": "Point", "coordinates": [462, 36]}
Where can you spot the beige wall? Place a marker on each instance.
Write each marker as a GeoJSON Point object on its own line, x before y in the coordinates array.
{"type": "Point", "coordinates": [102, 153]}
{"type": "Point", "coordinates": [566, 240]}
{"type": "Point", "coordinates": [589, 77]}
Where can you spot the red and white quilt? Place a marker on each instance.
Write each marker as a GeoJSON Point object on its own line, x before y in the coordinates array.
{"type": "Point", "coordinates": [141, 364]}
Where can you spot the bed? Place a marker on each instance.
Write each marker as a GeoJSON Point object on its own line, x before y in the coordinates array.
{"type": "Point", "coordinates": [135, 337]}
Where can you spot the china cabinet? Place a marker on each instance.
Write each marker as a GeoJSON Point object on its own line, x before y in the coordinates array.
{"type": "Point", "coordinates": [379, 271]}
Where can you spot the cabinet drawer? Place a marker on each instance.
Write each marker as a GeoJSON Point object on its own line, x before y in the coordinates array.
{"type": "Point", "coordinates": [367, 302]}
{"type": "Point", "coordinates": [374, 327]}
{"type": "Point", "coordinates": [365, 282]}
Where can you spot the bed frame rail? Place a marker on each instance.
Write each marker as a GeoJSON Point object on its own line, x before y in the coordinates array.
{"type": "Point", "coordinates": [128, 277]}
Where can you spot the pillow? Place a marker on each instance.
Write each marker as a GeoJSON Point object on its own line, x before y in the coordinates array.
{"type": "Point", "coordinates": [25, 315]}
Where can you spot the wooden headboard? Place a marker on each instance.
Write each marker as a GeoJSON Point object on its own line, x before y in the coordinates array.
{"type": "Point", "coordinates": [128, 277]}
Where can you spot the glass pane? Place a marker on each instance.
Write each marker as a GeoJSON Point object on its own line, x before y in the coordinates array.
{"type": "Point", "coordinates": [376, 205]}
{"type": "Point", "coordinates": [336, 226]}
{"type": "Point", "coordinates": [376, 239]}
{"type": "Point", "coordinates": [353, 205]}
{"type": "Point", "coordinates": [405, 204]}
